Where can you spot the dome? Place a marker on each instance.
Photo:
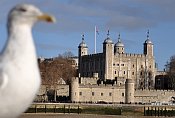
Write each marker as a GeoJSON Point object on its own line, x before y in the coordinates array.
{"type": "Point", "coordinates": [148, 41]}
{"type": "Point", "coordinates": [119, 44]}
{"type": "Point", "coordinates": [82, 44]}
{"type": "Point", "coordinates": [108, 40]}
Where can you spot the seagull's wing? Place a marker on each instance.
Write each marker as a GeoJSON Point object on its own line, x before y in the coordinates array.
{"type": "Point", "coordinates": [3, 80]}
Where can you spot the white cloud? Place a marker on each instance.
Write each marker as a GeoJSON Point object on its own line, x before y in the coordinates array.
{"type": "Point", "coordinates": [78, 15]}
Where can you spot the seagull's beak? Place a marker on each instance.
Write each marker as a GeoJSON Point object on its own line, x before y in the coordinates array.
{"type": "Point", "coordinates": [47, 18]}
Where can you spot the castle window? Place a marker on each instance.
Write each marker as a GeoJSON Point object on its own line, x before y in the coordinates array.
{"type": "Point", "coordinates": [117, 64]}
{"type": "Point", "coordinates": [110, 94]}
{"type": "Point", "coordinates": [93, 93]}
{"type": "Point", "coordinates": [123, 94]}
{"type": "Point", "coordinates": [132, 73]}
{"type": "Point", "coordinates": [80, 93]}
{"type": "Point", "coordinates": [149, 74]}
{"type": "Point", "coordinates": [115, 72]}
{"type": "Point", "coordinates": [140, 73]}
{"type": "Point", "coordinates": [113, 64]}
{"type": "Point", "coordinates": [133, 65]}
{"type": "Point", "coordinates": [141, 66]}
{"type": "Point", "coordinates": [124, 72]}
{"type": "Point", "coordinates": [122, 64]}
{"type": "Point", "coordinates": [101, 94]}
{"type": "Point", "coordinates": [149, 83]}
{"type": "Point", "coordinates": [150, 66]}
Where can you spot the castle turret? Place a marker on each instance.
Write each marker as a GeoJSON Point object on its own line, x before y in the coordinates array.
{"type": "Point", "coordinates": [129, 91]}
{"type": "Point", "coordinates": [108, 51]}
{"type": "Point", "coordinates": [119, 46]}
{"type": "Point", "coordinates": [148, 46]}
{"type": "Point", "coordinates": [149, 65]}
{"type": "Point", "coordinates": [82, 50]}
{"type": "Point", "coordinates": [75, 89]}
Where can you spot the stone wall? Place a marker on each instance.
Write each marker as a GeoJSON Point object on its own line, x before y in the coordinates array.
{"type": "Point", "coordinates": [101, 93]}
{"type": "Point", "coordinates": [149, 96]}
{"type": "Point", "coordinates": [117, 93]}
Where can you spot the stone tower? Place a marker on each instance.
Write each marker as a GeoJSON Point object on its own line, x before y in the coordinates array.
{"type": "Point", "coordinates": [148, 46]}
{"type": "Point", "coordinates": [119, 47]}
{"type": "Point", "coordinates": [108, 51]}
{"type": "Point", "coordinates": [82, 50]}
{"type": "Point", "coordinates": [149, 76]}
{"type": "Point", "coordinates": [75, 89]}
{"type": "Point", "coordinates": [129, 91]}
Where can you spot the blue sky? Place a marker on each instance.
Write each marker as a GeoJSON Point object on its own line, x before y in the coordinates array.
{"type": "Point", "coordinates": [132, 18]}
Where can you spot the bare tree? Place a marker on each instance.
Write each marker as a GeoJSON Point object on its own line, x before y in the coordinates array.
{"type": "Point", "coordinates": [55, 68]}
{"type": "Point", "coordinates": [170, 68]}
{"type": "Point", "coordinates": [67, 54]}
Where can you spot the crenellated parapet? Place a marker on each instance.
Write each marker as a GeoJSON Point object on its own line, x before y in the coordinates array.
{"type": "Point", "coordinates": [88, 80]}
{"type": "Point", "coordinates": [130, 55]}
{"type": "Point", "coordinates": [97, 55]}
{"type": "Point", "coordinates": [153, 90]}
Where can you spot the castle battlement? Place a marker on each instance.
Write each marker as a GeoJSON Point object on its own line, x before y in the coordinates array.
{"type": "Point", "coordinates": [154, 90]}
{"type": "Point", "coordinates": [102, 86]}
{"type": "Point", "coordinates": [131, 55]}
{"type": "Point", "coordinates": [93, 55]}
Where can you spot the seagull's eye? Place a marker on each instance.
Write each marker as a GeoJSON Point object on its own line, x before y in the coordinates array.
{"type": "Point", "coordinates": [22, 9]}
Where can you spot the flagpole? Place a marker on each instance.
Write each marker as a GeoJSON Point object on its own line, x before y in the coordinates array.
{"type": "Point", "coordinates": [95, 39]}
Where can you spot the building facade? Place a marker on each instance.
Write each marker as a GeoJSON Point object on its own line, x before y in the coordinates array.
{"type": "Point", "coordinates": [117, 65]}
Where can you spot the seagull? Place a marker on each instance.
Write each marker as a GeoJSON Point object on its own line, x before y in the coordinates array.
{"type": "Point", "coordinates": [19, 72]}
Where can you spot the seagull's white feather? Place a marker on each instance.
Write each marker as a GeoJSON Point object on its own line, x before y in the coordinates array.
{"type": "Point", "coordinates": [19, 72]}
{"type": "Point", "coordinates": [3, 80]}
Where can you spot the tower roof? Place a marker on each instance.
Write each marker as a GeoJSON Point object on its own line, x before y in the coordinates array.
{"type": "Point", "coordinates": [83, 44]}
{"type": "Point", "coordinates": [148, 41]}
{"type": "Point", "coordinates": [119, 43]}
{"type": "Point", "coordinates": [108, 39]}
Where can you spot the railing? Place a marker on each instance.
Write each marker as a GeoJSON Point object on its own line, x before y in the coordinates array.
{"type": "Point", "coordinates": [77, 109]}
{"type": "Point", "coordinates": [54, 109]}
{"type": "Point", "coordinates": [158, 111]}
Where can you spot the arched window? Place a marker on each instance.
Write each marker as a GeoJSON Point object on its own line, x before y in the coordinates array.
{"type": "Point", "coordinates": [141, 73]}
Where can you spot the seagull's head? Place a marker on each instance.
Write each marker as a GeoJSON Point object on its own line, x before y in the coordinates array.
{"type": "Point", "coordinates": [28, 14]}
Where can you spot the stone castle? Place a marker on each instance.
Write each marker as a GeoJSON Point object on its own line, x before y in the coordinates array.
{"type": "Point", "coordinates": [115, 76]}
{"type": "Point", "coordinates": [115, 64]}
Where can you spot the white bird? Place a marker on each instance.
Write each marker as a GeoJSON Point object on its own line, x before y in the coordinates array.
{"type": "Point", "coordinates": [19, 72]}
